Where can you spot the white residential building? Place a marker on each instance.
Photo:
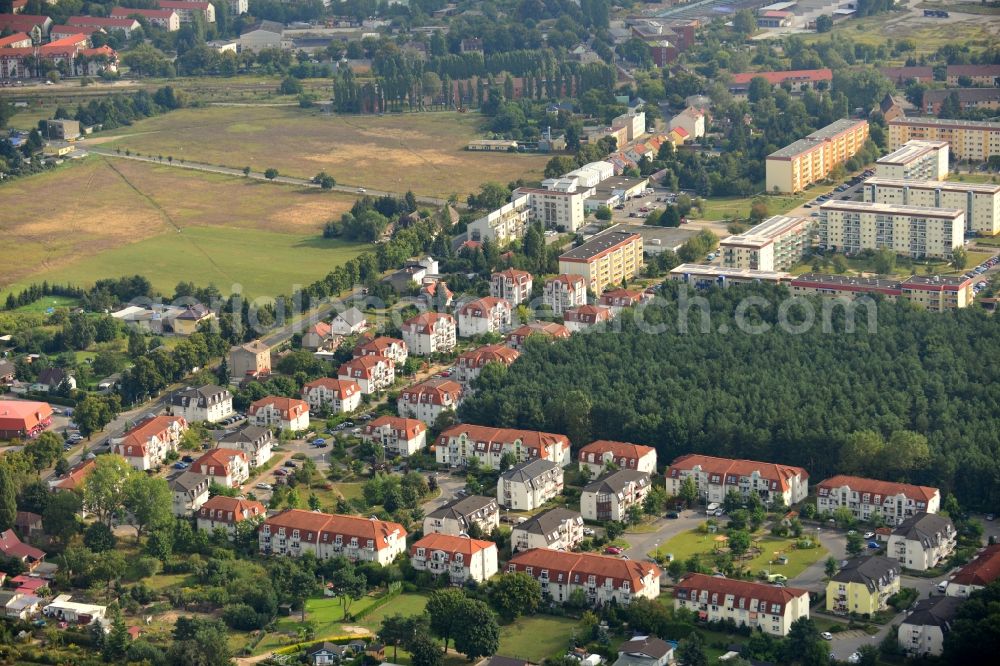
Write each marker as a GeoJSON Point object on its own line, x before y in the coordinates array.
{"type": "Point", "coordinates": [867, 498]}
{"type": "Point", "coordinates": [278, 412]}
{"type": "Point", "coordinates": [773, 245]}
{"type": "Point", "coordinates": [255, 441]}
{"type": "Point", "coordinates": [756, 605]}
{"type": "Point", "coordinates": [469, 364]}
{"type": "Point", "coordinates": [512, 285]}
{"type": "Point", "coordinates": [977, 574]}
{"type": "Point", "coordinates": [146, 446]}
{"type": "Point", "coordinates": [584, 317]}
{"type": "Point", "coordinates": [349, 322]}
{"type": "Point", "coordinates": [716, 477]}
{"type": "Point", "coordinates": [484, 315]}
{"type": "Point", "coordinates": [563, 292]}
{"type": "Point", "coordinates": [429, 398]}
{"type": "Point", "coordinates": [391, 348]}
{"type": "Point", "coordinates": [295, 531]}
{"type": "Point", "coordinates": [912, 231]}
{"type": "Point", "coordinates": [611, 496]}
{"type": "Point", "coordinates": [190, 491]}
{"type": "Point", "coordinates": [922, 632]}
{"type": "Point", "coordinates": [458, 516]}
{"type": "Point", "coordinates": [548, 330]}
{"type": "Point", "coordinates": [645, 651]}
{"type": "Point", "coordinates": [504, 225]}
{"type": "Point", "coordinates": [226, 513]}
{"type": "Point", "coordinates": [229, 468]}
{"type": "Point", "coordinates": [398, 436]}
{"type": "Point", "coordinates": [597, 455]}
{"type": "Point", "coordinates": [460, 558]}
{"type": "Point", "coordinates": [691, 120]}
{"type": "Point", "coordinates": [922, 541]}
{"type": "Point", "coordinates": [430, 333]}
{"type": "Point", "coordinates": [208, 403]}
{"type": "Point", "coordinates": [979, 201]}
{"type": "Point", "coordinates": [557, 529]}
{"type": "Point", "coordinates": [371, 373]}
{"type": "Point", "coordinates": [528, 485]}
{"type": "Point", "coordinates": [603, 579]}
{"type": "Point", "coordinates": [459, 443]}
{"type": "Point", "coordinates": [562, 211]}
{"type": "Point", "coordinates": [339, 396]}
{"type": "Point", "coordinates": [916, 160]}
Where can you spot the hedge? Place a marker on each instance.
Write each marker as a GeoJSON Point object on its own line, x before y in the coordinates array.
{"type": "Point", "coordinates": [395, 589]}
{"type": "Point", "coordinates": [340, 640]}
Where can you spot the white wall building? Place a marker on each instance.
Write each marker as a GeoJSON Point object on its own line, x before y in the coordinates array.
{"type": "Point", "coordinates": [459, 558]}
{"type": "Point", "coordinates": [528, 485]}
{"type": "Point", "coordinates": [429, 398]}
{"type": "Point", "coordinates": [611, 496]}
{"type": "Point", "coordinates": [563, 292]}
{"type": "Point", "coordinates": [603, 579]}
{"type": "Point", "coordinates": [505, 224]}
{"type": "Point", "coordinates": [295, 531]}
{"type": "Point", "coordinates": [256, 442]}
{"type": "Point", "coordinates": [866, 498]}
{"type": "Point", "coordinates": [598, 454]}
{"type": "Point", "coordinates": [207, 403]}
{"type": "Point", "coordinates": [911, 231]}
{"type": "Point", "coordinates": [458, 516]}
{"type": "Point", "coordinates": [916, 160]}
{"type": "Point", "coordinates": [922, 541]}
{"type": "Point", "coordinates": [339, 396]}
{"type": "Point", "coordinates": [430, 333]}
{"type": "Point", "coordinates": [979, 201]}
{"type": "Point", "coordinates": [557, 529]}
{"type": "Point", "coordinates": [756, 605]}
{"type": "Point", "coordinates": [398, 436]}
{"type": "Point", "coordinates": [484, 315]}
{"type": "Point", "coordinates": [459, 443]}
{"type": "Point", "coordinates": [716, 477]}
{"type": "Point", "coordinates": [279, 412]}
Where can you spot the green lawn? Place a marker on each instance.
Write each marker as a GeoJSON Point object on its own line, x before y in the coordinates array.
{"type": "Point", "coordinates": [404, 604]}
{"type": "Point", "coordinates": [534, 638]}
{"type": "Point", "coordinates": [973, 177]}
{"type": "Point", "coordinates": [990, 242]}
{"type": "Point", "coordinates": [43, 304]}
{"type": "Point", "coordinates": [721, 208]}
{"type": "Point", "coordinates": [692, 542]}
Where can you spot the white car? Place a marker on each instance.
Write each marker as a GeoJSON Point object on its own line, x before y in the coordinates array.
{"type": "Point", "coordinates": [855, 658]}
{"type": "Point", "coordinates": [264, 486]}
{"type": "Point", "coordinates": [869, 535]}
{"type": "Point", "coordinates": [588, 531]}
{"type": "Point", "coordinates": [827, 636]}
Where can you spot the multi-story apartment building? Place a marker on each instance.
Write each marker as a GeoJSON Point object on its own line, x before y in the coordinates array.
{"type": "Point", "coordinates": [773, 245]}
{"type": "Point", "coordinates": [867, 498]}
{"type": "Point", "coordinates": [469, 364]}
{"type": "Point", "coordinates": [810, 160]}
{"type": "Point", "coordinates": [603, 579]}
{"type": "Point", "coordinates": [391, 348]}
{"type": "Point", "coordinates": [691, 120]}
{"type": "Point", "coordinates": [911, 231]}
{"type": "Point", "coordinates": [863, 585]}
{"type": "Point", "coordinates": [798, 79]}
{"type": "Point", "coordinates": [922, 632]}
{"type": "Point", "coordinates": [279, 412]}
{"type": "Point", "coordinates": [252, 359]}
{"type": "Point", "coordinates": [338, 396]}
{"type": "Point", "coordinates": [126, 25]}
{"type": "Point", "coordinates": [967, 99]}
{"type": "Point", "coordinates": [922, 541]}
{"type": "Point", "coordinates": [164, 18]}
{"type": "Point", "coordinates": [460, 443]}
{"type": "Point", "coordinates": [597, 455]}
{"type": "Point", "coordinates": [716, 477]}
{"type": "Point", "coordinates": [967, 139]}
{"type": "Point", "coordinates": [296, 531]}
{"type": "Point", "coordinates": [584, 317]}
{"type": "Point", "coordinates": [208, 403]}
{"type": "Point", "coordinates": [915, 160]}
{"type": "Point", "coordinates": [427, 399]}
{"type": "Point", "coordinates": [398, 436]}
{"type": "Point", "coordinates": [458, 516]}
{"type": "Point", "coordinates": [619, 299]}
{"type": "Point", "coordinates": [606, 259]}
{"type": "Point", "coordinates": [703, 276]}
{"type": "Point", "coordinates": [146, 446]}
{"type": "Point", "coordinates": [933, 292]}
{"type": "Point", "coordinates": [484, 315]}
{"type": "Point", "coordinates": [611, 496]}
{"type": "Point", "coordinates": [978, 75]}
{"type": "Point", "coordinates": [188, 9]}
{"type": "Point", "coordinates": [756, 605]}
{"type": "Point", "coordinates": [372, 373]}
{"type": "Point", "coordinates": [504, 225]}
{"type": "Point", "coordinates": [227, 467]}
{"type": "Point", "coordinates": [190, 492]}
{"type": "Point", "coordinates": [226, 513]}
{"type": "Point", "coordinates": [557, 529]}
{"type": "Point", "coordinates": [977, 574]}
{"type": "Point", "coordinates": [255, 441]}
{"type": "Point", "coordinates": [530, 484]}
{"type": "Point", "coordinates": [559, 210]}
{"type": "Point", "coordinates": [460, 558]}
{"type": "Point", "coordinates": [512, 285]}
{"type": "Point", "coordinates": [979, 201]}
{"type": "Point", "coordinates": [430, 333]}
{"type": "Point", "coordinates": [563, 292]}
{"type": "Point", "coordinates": [549, 330]}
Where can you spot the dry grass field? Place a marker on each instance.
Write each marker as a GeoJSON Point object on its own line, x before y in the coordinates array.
{"type": "Point", "coordinates": [103, 218]}
{"type": "Point", "coordinates": [423, 152]}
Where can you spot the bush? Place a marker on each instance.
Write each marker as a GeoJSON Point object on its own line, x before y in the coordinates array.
{"type": "Point", "coordinates": [242, 617]}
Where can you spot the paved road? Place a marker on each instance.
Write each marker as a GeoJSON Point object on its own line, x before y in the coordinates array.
{"type": "Point", "coordinates": [640, 545]}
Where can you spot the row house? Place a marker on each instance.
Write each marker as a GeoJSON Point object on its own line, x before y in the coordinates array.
{"type": "Point", "coordinates": [528, 485]}
{"type": "Point", "coordinates": [863, 585]}
{"type": "Point", "coordinates": [229, 468]}
{"type": "Point", "coordinates": [584, 317]}
{"type": "Point", "coordinates": [338, 396]}
{"type": "Point", "coordinates": [163, 18]}
{"type": "Point", "coordinates": [484, 315]}
{"type": "Point", "coordinates": [391, 348]}
{"type": "Point", "coordinates": [26, 62]}
{"type": "Point", "coordinates": [619, 299]}
{"type": "Point", "coordinates": [564, 292]}
{"type": "Point", "coordinates": [226, 513]}
{"type": "Point", "coordinates": [430, 333]}
{"type": "Point", "coordinates": [275, 411]}
{"type": "Point", "coordinates": [769, 608]}
{"type": "Point", "coordinates": [460, 558]}
{"type": "Point", "coordinates": [597, 455]}
{"type": "Point", "coordinates": [611, 496]}
{"type": "Point", "coordinates": [147, 445]}
{"type": "Point", "coordinates": [603, 579]}
{"type": "Point", "coordinates": [208, 403]}
{"type": "Point", "coordinates": [716, 477]}
{"type": "Point", "coordinates": [512, 285]}
{"type": "Point", "coordinates": [556, 529]}
{"type": "Point", "coordinates": [977, 574]}
{"type": "Point", "coordinates": [38, 27]}
{"type": "Point", "coordinates": [548, 330]}
{"type": "Point", "coordinates": [296, 531]}
{"type": "Point", "coordinates": [398, 436]}
{"type": "Point", "coordinates": [469, 364]}
{"type": "Point", "coordinates": [189, 492]}
{"type": "Point", "coordinates": [457, 516]}
{"type": "Point", "coordinates": [459, 443]}
{"type": "Point", "coordinates": [255, 441]}
{"type": "Point", "coordinates": [922, 541]}
{"type": "Point", "coordinates": [371, 373]}
{"type": "Point", "coordinates": [426, 400]}
{"type": "Point", "coordinates": [867, 498]}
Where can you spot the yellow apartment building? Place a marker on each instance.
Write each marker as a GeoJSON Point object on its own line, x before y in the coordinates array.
{"type": "Point", "coordinates": [606, 259]}
{"type": "Point", "coordinates": [810, 160]}
{"type": "Point", "coordinates": [967, 139]}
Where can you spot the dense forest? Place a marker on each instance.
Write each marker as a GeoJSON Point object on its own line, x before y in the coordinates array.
{"type": "Point", "coordinates": [812, 399]}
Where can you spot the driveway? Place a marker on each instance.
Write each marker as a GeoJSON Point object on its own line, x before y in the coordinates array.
{"type": "Point", "coordinates": [640, 544]}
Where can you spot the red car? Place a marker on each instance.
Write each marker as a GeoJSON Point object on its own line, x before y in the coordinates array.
{"type": "Point", "coordinates": [613, 550]}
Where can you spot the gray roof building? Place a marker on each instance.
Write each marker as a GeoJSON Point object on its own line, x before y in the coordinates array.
{"type": "Point", "coordinates": [528, 471]}
{"type": "Point", "coordinates": [616, 482]}
{"type": "Point", "coordinates": [547, 523]}
{"type": "Point", "coordinates": [873, 572]}
{"type": "Point", "coordinates": [927, 528]}
{"type": "Point", "coordinates": [934, 612]}
{"type": "Point", "coordinates": [643, 651]}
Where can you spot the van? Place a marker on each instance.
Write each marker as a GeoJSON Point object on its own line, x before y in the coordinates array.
{"type": "Point", "coordinates": [712, 508]}
{"type": "Point", "coordinates": [942, 587]}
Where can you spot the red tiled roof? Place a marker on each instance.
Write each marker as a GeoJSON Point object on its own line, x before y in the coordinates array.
{"type": "Point", "coordinates": [230, 509]}
{"type": "Point", "coordinates": [138, 437]}
{"type": "Point", "coordinates": [774, 78]}
{"type": "Point", "coordinates": [495, 438]}
{"type": "Point", "coordinates": [124, 12]}
{"type": "Point", "coordinates": [584, 564]}
{"type": "Point", "coordinates": [550, 329]}
{"type": "Point", "coordinates": [13, 39]}
{"type": "Point", "coordinates": [433, 391]}
{"type": "Point", "coordinates": [220, 459]}
{"type": "Point", "coordinates": [409, 428]}
{"type": "Point", "coordinates": [621, 296]}
{"type": "Point", "coordinates": [617, 449]}
{"type": "Point", "coordinates": [876, 487]}
{"type": "Point", "coordinates": [100, 50]}
{"type": "Point", "coordinates": [587, 314]}
{"type": "Point", "coordinates": [378, 345]}
{"type": "Point", "coordinates": [22, 22]}
{"type": "Point", "coordinates": [321, 328]}
{"type": "Point", "coordinates": [567, 279]}
{"type": "Point", "coordinates": [431, 288]}
{"type": "Point", "coordinates": [182, 4]}
{"type": "Point", "coordinates": [366, 364]}
{"type": "Point", "coordinates": [312, 525]}
{"type": "Point", "coordinates": [451, 544]}
{"type": "Point", "coordinates": [692, 584]}
{"type": "Point", "coordinates": [424, 323]}
{"type": "Point", "coordinates": [514, 275]}
{"type": "Point", "coordinates": [342, 388]}
{"type": "Point", "coordinates": [22, 415]}
{"type": "Point", "coordinates": [484, 305]}
{"type": "Point", "coordinates": [290, 408]}
{"type": "Point", "coordinates": [11, 546]}
{"type": "Point", "coordinates": [729, 466]}
{"type": "Point", "coordinates": [982, 570]}
{"type": "Point", "coordinates": [102, 22]}
{"type": "Point", "coordinates": [74, 478]}
{"type": "Point", "coordinates": [480, 356]}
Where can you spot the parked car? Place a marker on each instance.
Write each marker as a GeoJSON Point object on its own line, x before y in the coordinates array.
{"type": "Point", "coordinates": [613, 550]}
{"type": "Point", "coordinates": [181, 465]}
{"type": "Point", "coordinates": [827, 636]}
{"type": "Point", "coordinates": [319, 441]}
{"type": "Point", "coordinates": [588, 531]}
{"type": "Point", "coordinates": [280, 472]}
{"type": "Point", "coordinates": [673, 515]}
{"type": "Point", "coordinates": [290, 463]}
{"type": "Point", "coordinates": [942, 587]}
{"type": "Point", "coordinates": [869, 535]}
{"type": "Point", "coordinates": [873, 544]}
{"type": "Point", "coordinates": [187, 459]}
{"type": "Point", "coordinates": [264, 486]}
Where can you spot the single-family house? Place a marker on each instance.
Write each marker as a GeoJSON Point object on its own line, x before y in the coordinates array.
{"type": "Point", "coordinates": [229, 468]}
{"type": "Point", "coordinates": [338, 396]}
{"type": "Point", "coordinates": [147, 445]}
{"type": "Point", "coordinates": [73, 480]}
{"type": "Point", "coordinates": [459, 557]}
{"type": "Point", "coordinates": [458, 516]}
{"type": "Point", "coordinates": [692, 120]}
{"type": "Point", "coordinates": [349, 322]}
{"type": "Point", "coordinates": [256, 442]}
{"type": "Point", "coordinates": [51, 379]}
{"type": "Point", "coordinates": [557, 528]}
{"type": "Point", "coordinates": [321, 336]}
{"type": "Point", "coordinates": [529, 485]}
{"type": "Point", "coordinates": [982, 570]}
{"type": "Point", "coordinates": [28, 524]}
{"type": "Point", "coordinates": [192, 316]}
{"type": "Point", "coordinates": [8, 372]}
{"type": "Point", "coordinates": [644, 651]}
{"type": "Point", "coordinates": [12, 547]}
{"type": "Point", "coordinates": [275, 411]}
{"type": "Point", "coordinates": [398, 436]}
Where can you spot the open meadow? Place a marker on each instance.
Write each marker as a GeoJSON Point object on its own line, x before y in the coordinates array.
{"type": "Point", "coordinates": [423, 152]}
{"type": "Point", "coordinates": [104, 218]}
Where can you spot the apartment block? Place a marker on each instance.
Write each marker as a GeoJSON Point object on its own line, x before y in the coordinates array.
{"type": "Point", "coordinates": [505, 224]}
{"type": "Point", "coordinates": [512, 285]}
{"type": "Point", "coordinates": [460, 558]}
{"type": "Point", "coordinates": [557, 529]}
{"type": "Point", "coordinates": [426, 400]}
{"type": "Point", "coordinates": [597, 455]}
{"type": "Point", "coordinates": [207, 403]}
{"type": "Point", "coordinates": [460, 443]}
{"type": "Point", "coordinates": [371, 373]}
{"type": "Point", "coordinates": [391, 348]}
{"type": "Point", "coordinates": [606, 259]}
{"type": "Point", "coordinates": [937, 293]}
{"type": "Point", "coordinates": [619, 299]}
{"type": "Point", "coordinates": [703, 276]}
{"type": "Point", "coordinates": [603, 579]}
{"type": "Point", "coordinates": [528, 485]}
{"type": "Point", "coordinates": [339, 396]}
{"type": "Point", "coordinates": [584, 317]}
{"type": "Point", "coordinates": [256, 442]}
{"type": "Point", "coordinates": [978, 75]}
{"type": "Point", "coordinates": [756, 605]}
{"type": "Point", "coordinates": [226, 513]}
{"type": "Point", "coordinates": [549, 330]}
{"type": "Point", "coordinates": [863, 585]}
{"type": "Point", "coordinates": [922, 632]}
{"type": "Point", "coordinates": [469, 364]}
{"type": "Point", "coordinates": [398, 436]}
{"type": "Point", "coordinates": [867, 498]}
{"type": "Point", "coordinates": [559, 210]}
{"type": "Point", "coordinates": [977, 574]}
{"type": "Point", "coordinates": [912, 231]}
{"type": "Point", "coordinates": [611, 496]}
{"type": "Point", "coordinates": [922, 541]}
{"type": "Point", "coordinates": [296, 531]}
{"type": "Point", "coordinates": [563, 292]}
{"type": "Point", "coordinates": [915, 160]}
{"type": "Point", "coordinates": [967, 139]}
{"type": "Point", "coordinates": [810, 160]}
{"type": "Point", "coordinates": [279, 412]}
{"type": "Point", "coordinates": [775, 244]}
{"type": "Point", "coordinates": [458, 516]}
{"type": "Point", "coordinates": [484, 315]}
{"type": "Point", "coordinates": [979, 201]}
{"type": "Point", "coordinates": [430, 333]}
{"type": "Point", "coordinates": [147, 445]}
{"type": "Point", "coordinates": [716, 477]}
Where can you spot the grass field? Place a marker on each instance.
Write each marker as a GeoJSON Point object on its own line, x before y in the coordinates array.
{"type": "Point", "coordinates": [101, 218]}
{"type": "Point", "coordinates": [692, 542]}
{"type": "Point", "coordinates": [423, 152]}
{"type": "Point", "coordinates": [43, 304]}
{"type": "Point", "coordinates": [534, 638]}
{"type": "Point", "coordinates": [722, 208]}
